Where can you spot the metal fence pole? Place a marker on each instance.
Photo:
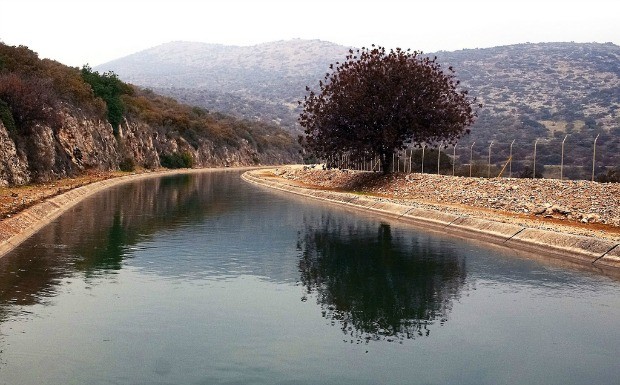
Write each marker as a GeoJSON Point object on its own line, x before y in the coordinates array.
{"type": "Point", "coordinates": [534, 171]}
{"type": "Point", "coordinates": [594, 156]}
{"type": "Point", "coordinates": [489, 168]}
{"type": "Point", "coordinates": [510, 159]}
{"type": "Point", "coordinates": [471, 156]}
{"type": "Point", "coordinates": [562, 161]}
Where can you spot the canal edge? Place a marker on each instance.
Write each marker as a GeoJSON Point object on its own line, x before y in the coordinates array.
{"type": "Point", "coordinates": [28, 222]}
{"type": "Point", "coordinates": [602, 254]}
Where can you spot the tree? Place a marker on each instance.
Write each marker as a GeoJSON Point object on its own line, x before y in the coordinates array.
{"type": "Point", "coordinates": [110, 88]}
{"type": "Point", "coordinates": [376, 103]}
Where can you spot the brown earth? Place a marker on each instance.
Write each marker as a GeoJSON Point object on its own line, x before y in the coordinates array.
{"type": "Point", "coordinates": [574, 207]}
{"type": "Point", "coordinates": [19, 198]}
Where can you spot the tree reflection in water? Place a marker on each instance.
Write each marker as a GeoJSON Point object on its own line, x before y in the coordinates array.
{"type": "Point", "coordinates": [378, 286]}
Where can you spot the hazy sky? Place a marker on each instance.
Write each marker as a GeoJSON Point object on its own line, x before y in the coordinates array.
{"type": "Point", "coordinates": [76, 32]}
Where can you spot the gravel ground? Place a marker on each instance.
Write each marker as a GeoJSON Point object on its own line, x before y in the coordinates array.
{"type": "Point", "coordinates": [578, 207]}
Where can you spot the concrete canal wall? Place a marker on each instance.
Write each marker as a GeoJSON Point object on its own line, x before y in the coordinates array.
{"type": "Point", "coordinates": [595, 252]}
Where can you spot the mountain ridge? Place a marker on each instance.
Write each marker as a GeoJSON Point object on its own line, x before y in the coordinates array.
{"type": "Point", "coordinates": [529, 91]}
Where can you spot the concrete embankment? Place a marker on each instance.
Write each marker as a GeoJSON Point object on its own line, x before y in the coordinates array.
{"type": "Point", "coordinates": [603, 254]}
{"type": "Point", "coordinates": [18, 228]}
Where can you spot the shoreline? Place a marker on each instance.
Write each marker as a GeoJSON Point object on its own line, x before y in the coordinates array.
{"type": "Point", "coordinates": [596, 252]}
{"type": "Point", "coordinates": [22, 225]}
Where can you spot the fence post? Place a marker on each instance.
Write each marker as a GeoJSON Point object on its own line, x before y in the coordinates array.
{"type": "Point", "coordinates": [562, 161]}
{"type": "Point", "coordinates": [534, 170]}
{"type": "Point", "coordinates": [454, 158]}
{"type": "Point", "coordinates": [594, 156]}
{"type": "Point", "coordinates": [489, 168]}
{"type": "Point", "coordinates": [471, 155]}
{"type": "Point", "coordinates": [423, 147]}
{"type": "Point", "coordinates": [510, 158]}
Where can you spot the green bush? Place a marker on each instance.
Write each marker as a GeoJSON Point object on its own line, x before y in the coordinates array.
{"type": "Point", "coordinates": [127, 165]}
{"type": "Point", "coordinates": [176, 160]}
{"type": "Point", "coordinates": [7, 117]}
{"type": "Point", "coordinates": [110, 88]}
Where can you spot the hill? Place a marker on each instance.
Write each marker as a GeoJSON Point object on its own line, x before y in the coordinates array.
{"type": "Point", "coordinates": [259, 82]}
{"type": "Point", "coordinates": [58, 121]}
{"type": "Point", "coordinates": [529, 91]}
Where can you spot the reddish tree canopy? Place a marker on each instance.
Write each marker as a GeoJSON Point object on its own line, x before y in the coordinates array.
{"type": "Point", "coordinates": [378, 102]}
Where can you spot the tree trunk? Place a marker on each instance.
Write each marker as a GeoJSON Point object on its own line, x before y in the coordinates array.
{"type": "Point", "coordinates": [386, 162]}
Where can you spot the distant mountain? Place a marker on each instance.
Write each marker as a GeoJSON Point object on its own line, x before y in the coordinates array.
{"type": "Point", "coordinates": [529, 91]}
{"type": "Point", "coordinates": [258, 82]}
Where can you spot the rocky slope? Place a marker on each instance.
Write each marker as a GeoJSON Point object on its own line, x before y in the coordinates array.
{"type": "Point", "coordinates": [57, 121]}
{"type": "Point", "coordinates": [82, 144]}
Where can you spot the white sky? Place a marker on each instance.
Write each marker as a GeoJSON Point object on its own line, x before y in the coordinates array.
{"type": "Point", "coordinates": [76, 32]}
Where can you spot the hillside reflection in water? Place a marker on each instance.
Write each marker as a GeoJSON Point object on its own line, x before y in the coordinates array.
{"type": "Point", "coordinates": [95, 237]}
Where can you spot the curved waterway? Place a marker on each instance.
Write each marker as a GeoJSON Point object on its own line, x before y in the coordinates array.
{"type": "Point", "coordinates": [205, 279]}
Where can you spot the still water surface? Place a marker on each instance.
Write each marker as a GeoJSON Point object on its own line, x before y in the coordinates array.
{"type": "Point", "coordinates": [204, 279]}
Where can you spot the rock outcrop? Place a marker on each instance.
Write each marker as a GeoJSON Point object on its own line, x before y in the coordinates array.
{"type": "Point", "coordinates": [83, 143]}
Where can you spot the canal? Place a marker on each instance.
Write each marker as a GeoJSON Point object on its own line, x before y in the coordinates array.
{"type": "Point", "coordinates": [206, 279]}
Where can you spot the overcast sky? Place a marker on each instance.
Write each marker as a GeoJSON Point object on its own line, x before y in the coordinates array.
{"type": "Point", "coordinates": [76, 32]}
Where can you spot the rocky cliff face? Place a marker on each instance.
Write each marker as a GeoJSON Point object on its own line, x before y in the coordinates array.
{"type": "Point", "coordinates": [13, 167]}
{"type": "Point", "coordinates": [82, 143]}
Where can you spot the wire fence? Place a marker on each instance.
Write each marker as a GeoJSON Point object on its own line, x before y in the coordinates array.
{"type": "Point", "coordinates": [556, 158]}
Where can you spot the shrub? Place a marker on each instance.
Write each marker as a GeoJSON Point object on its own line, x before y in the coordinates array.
{"type": "Point", "coordinates": [176, 160]}
{"type": "Point", "coordinates": [7, 117]}
{"type": "Point", "coordinates": [29, 100]}
{"type": "Point", "coordinates": [611, 176]}
{"type": "Point", "coordinates": [127, 165]}
{"type": "Point", "coordinates": [110, 88]}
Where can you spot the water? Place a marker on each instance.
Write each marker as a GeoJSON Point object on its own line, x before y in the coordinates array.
{"type": "Point", "coordinates": [205, 279]}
